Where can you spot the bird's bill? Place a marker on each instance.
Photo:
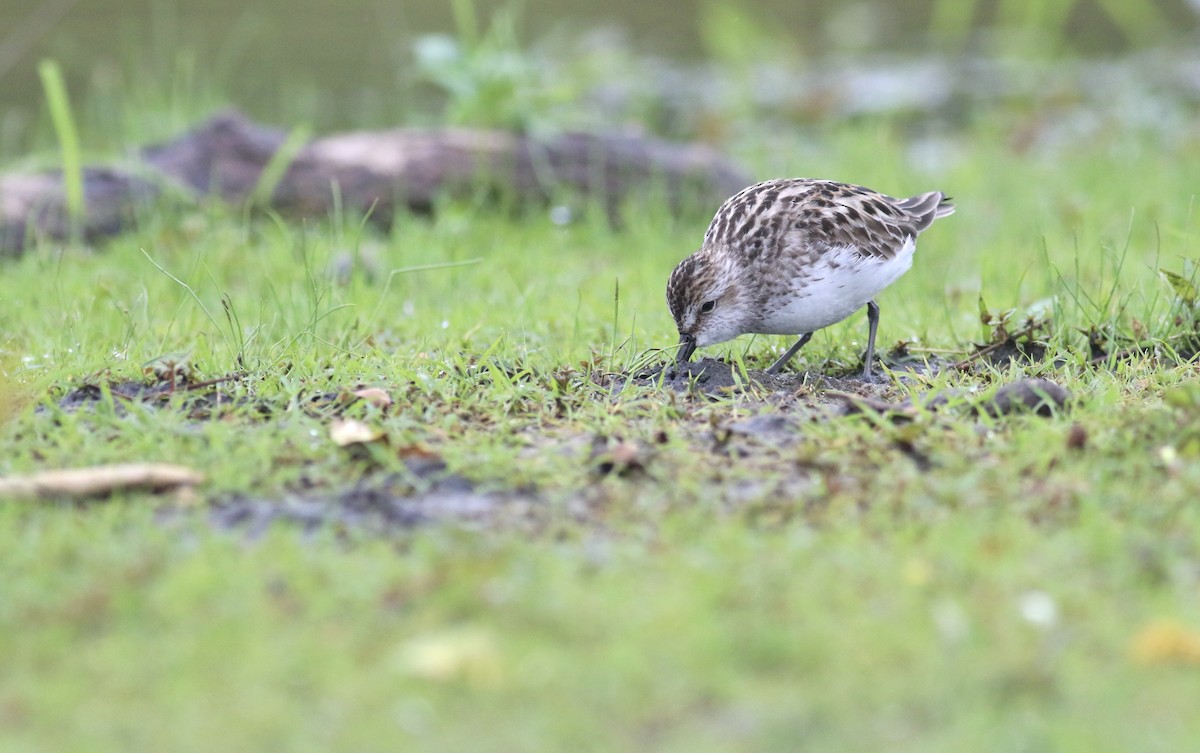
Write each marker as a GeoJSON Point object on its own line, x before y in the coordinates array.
{"type": "Point", "coordinates": [687, 346]}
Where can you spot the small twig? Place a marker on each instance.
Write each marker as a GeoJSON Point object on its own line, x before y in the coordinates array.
{"type": "Point", "coordinates": [210, 382]}
{"type": "Point", "coordinates": [98, 481]}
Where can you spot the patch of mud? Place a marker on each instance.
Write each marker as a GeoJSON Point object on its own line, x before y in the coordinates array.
{"type": "Point", "coordinates": [198, 399]}
{"type": "Point", "coordinates": [852, 395]}
{"type": "Point", "coordinates": [1013, 350]}
{"type": "Point", "coordinates": [771, 428]}
{"type": "Point", "coordinates": [763, 431]}
{"type": "Point", "coordinates": [376, 507]}
{"type": "Point", "coordinates": [425, 493]}
{"type": "Point", "coordinates": [1039, 396]}
{"type": "Point", "coordinates": [706, 376]}
{"type": "Point", "coordinates": [709, 376]}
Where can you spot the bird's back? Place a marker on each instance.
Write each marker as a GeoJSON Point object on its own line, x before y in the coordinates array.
{"type": "Point", "coordinates": [805, 215]}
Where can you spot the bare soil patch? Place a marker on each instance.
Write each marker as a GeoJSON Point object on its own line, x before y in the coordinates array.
{"type": "Point", "coordinates": [429, 492]}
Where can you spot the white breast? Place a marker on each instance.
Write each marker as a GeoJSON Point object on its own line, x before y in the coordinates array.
{"type": "Point", "coordinates": [840, 283]}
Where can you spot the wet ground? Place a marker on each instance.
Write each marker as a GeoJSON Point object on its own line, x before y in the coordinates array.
{"type": "Point", "coordinates": [855, 392]}
{"type": "Point", "coordinates": [427, 491]}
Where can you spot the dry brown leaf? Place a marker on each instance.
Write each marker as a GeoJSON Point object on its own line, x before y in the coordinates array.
{"type": "Point", "coordinates": [374, 396]}
{"type": "Point", "coordinates": [417, 453]}
{"type": "Point", "coordinates": [346, 432]}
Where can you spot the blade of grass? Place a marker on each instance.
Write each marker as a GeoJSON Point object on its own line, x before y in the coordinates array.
{"type": "Point", "coordinates": [612, 351]}
{"type": "Point", "coordinates": [59, 103]}
{"type": "Point", "coordinates": [192, 292]}
{"type": "Point", "coordinates": [278, 165]}
{"type": "Point", "coordinates": [416, 268]}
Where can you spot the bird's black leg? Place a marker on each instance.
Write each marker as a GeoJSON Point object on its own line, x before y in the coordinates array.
{"type": "Point", "coordinates": [775, 367]}
{"type": "Point", "coordinates": [873, 321]}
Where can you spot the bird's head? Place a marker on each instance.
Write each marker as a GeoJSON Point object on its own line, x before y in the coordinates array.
{"type": "Point", "coordinates": [705, 299]}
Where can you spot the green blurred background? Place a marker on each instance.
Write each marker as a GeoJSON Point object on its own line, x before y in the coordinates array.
{"type": "Point", "coordinates": [355, 62]}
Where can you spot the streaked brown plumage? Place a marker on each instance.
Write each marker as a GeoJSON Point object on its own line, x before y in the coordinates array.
{"type": "Point", "coordinates": [790, 256]}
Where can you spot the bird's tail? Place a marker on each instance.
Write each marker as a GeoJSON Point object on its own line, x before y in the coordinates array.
{"type": "Point", "coordinates": [927, 207]}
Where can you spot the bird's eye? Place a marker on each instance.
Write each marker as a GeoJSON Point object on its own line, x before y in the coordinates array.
{"type": "Point", "coordinates": [707, 306]}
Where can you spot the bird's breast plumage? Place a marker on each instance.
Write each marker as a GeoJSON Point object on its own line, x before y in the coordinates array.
{"type": "Point", "coordinates": [832, 285]}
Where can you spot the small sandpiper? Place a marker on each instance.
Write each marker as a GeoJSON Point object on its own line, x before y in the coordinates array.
{"type": "Point", "coordinates": [788, 257]}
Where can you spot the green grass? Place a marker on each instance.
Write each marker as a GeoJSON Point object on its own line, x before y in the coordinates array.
{"type": "Point", "coordinates": [834, 594]}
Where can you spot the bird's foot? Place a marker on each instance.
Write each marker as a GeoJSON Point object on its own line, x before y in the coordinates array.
{"type": "Point", "coordinates": [873, 376]}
